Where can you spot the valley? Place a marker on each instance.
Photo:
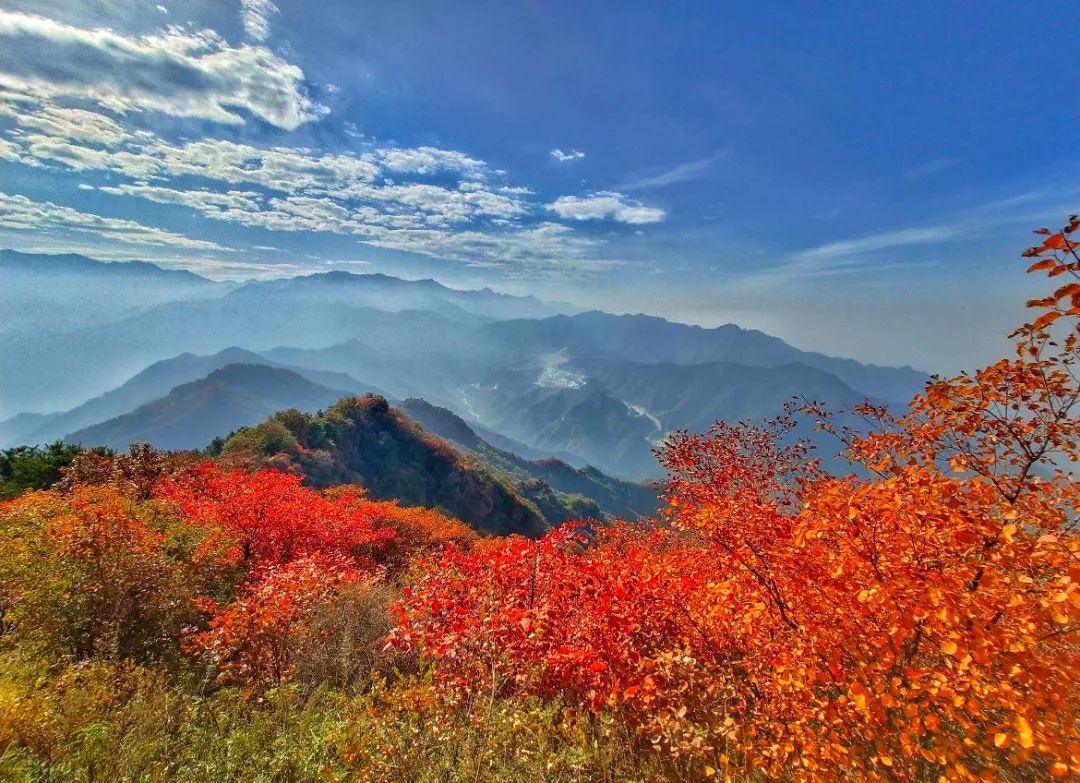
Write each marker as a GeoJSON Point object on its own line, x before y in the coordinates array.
{"type": "Point", "coordinates": [587, 388]}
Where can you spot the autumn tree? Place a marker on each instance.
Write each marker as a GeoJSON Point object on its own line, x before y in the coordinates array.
{"type": "Point", "coordinates": [785, 623]}
{"type": "Point", "coordinates": [95, 572]}
{"type": "Point", "coordinates": [251, 639]}
{"type": "Point", "coordinates": [270, 517]}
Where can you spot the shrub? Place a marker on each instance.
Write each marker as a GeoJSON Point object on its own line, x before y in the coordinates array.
{"type": "Point", "coordinates": [923, 623]}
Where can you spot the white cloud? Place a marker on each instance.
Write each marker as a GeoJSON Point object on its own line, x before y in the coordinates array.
{"type": "Point", "coordinates": [180, 73]}
{"type": "Point", "coordinates": [346, 178]}
{"type": "Point", "coordinates": [549, 249]}
{"type": "Point", "coordinates": [206, 201]}
{"type": "Point", "coordinates": [72, 155]}
{"type": "Point", "coordinates": [256, 15]}
{"type": "Point", "coordinates": [693, 169]}
{"type": "Point", "coordinates": [9, 151]}
{"type": "Point", "coordinates": [603, 205]}
{"type": "Point", "coordinates": [72, 124]}
{"type": "Point", "coordinates": [19, 213]}
{"type": "Point", "coordinates": [283, 169]}
{"type": "Point", "coordinates": [890, 239]}
{"type": "Point", "coordinates": [425, 200]}
{"type": "Point", "coordinates": [428, 160]}
{"type": "Point", "coordinates": [563, 157]}
{"type": "Point", "coordinates": [346, 262]}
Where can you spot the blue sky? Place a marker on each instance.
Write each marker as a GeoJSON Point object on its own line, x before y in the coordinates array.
{"type": "Point", "coordinates": [857, 178]}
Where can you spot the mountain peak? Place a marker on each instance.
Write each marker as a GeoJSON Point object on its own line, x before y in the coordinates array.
{"type": "Point", "coordinates": [365, 441]}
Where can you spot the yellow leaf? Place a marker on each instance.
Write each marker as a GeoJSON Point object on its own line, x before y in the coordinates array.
{"type": "Point", "coordinates": [1001, 739]}
{"type": "Point", "coordinates": [709, 771]}
{"type": "Point", "coordinates": [1024, 735]}
{"type": "Point", "coordinates": [948, 647]}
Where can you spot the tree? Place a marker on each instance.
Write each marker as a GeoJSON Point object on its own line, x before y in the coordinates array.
{"type": "Point", "coordinates": [251, 640]}
{"type": "Point", "coordinates": [26, 468]}
{"type": "Point", "coordinates": [270, 518]}
{"type": "Point", "coordinates": [95, 572]}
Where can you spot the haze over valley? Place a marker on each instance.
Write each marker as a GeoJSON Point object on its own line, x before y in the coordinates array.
{"type": "Point", "coordinates": [175, 365]}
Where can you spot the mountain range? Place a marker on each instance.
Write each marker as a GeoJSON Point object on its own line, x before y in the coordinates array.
{"type": "Point", "coordinates": [130, 351]}
{"type": "Point", "coordinates": [151, 384]}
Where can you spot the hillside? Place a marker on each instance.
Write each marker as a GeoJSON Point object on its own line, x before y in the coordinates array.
{"type": "Point", "coordinates": [585, 420]}
{"type": "Point", "coordinates": [409, 338]}
{"type": "Point", "coordinates": [192, 414]}
{"type": "Point", "coordinates": [613, 412]}
{"type": "Point", "coordinates": [614, 496]}
{"type": "Point", "coordinates": [694, 396]}
{"type": "Point", "coordinates": [154, 382]}
{"type": "Point", "coordinates": [364, 441]}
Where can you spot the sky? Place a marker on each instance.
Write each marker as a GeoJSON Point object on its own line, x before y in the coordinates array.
{"type": "Point", "coordinates": [857, 178]}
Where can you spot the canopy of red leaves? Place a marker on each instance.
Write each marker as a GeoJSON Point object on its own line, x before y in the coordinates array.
{"type": "Point", "coordinates": [250, 639]}
{"type": "Point", "coordinates": [917, 620]}
{"type": "Point", "coordinates": [270, 517]}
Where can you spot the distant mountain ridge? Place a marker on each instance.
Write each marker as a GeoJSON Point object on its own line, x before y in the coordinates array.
{"type": "Point", "coordinates": [60, 263]}
{"type": "Point", "coordinates": [587, 388]}
{"type": "Point", "coordinates": [194, 413]}
{"type": "Point", "coordinates": [650, 339]}
{"type": "Point", "coordinates": [307, 312]}
{"type": "Point", "coordinates": [56, 293]}
{"type": "Point", "coordinates": [395, 294]}
{"type": "Point", "coordinates": [155, 381]}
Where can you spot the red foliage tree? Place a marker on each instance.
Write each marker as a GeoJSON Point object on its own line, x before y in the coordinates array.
{"type": "Point", "coordinates": [270, 517]}
{"type": "Point", "coordinates": [251, 639]}
{"type": "Point", "coordinates": [921, 624]}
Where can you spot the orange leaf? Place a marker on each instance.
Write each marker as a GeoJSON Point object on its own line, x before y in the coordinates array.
{"type": "Point", "coordinates": [1045, 320]}
{"type": "Point", "coordinates": [1024, 735]}
{"type": "Point", "coordinates": [1056, 242]}
{"type": "Point", "coordinates": [1067, 290]}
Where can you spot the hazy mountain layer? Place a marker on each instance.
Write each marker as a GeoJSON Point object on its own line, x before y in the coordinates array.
{"type": "Point", "coordinates": [591, 388]}
{"type": "Point", "coordinates": [155, 381]}
{"type": "Point", "coordinates": [447, 340]}
{"type": "Point", "coordinates": [192, 414]}
{"type": "Point", "coordinates": [620, 498]}
{"type": "Point", "coordinates": [58, 293]}
{"type": "Point", "coordinates": [649, 340]}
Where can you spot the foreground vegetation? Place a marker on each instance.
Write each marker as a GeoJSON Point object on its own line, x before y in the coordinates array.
{"type": "Point", "coordinates": [165, 617]}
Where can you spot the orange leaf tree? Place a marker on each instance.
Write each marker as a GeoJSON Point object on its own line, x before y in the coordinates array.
{"type": "Point", "coordinates": [917, 620]}
{"type": "Point", "coordinates": [270, 517]}
{"type": "Point", "coordinates": [251, 639]}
